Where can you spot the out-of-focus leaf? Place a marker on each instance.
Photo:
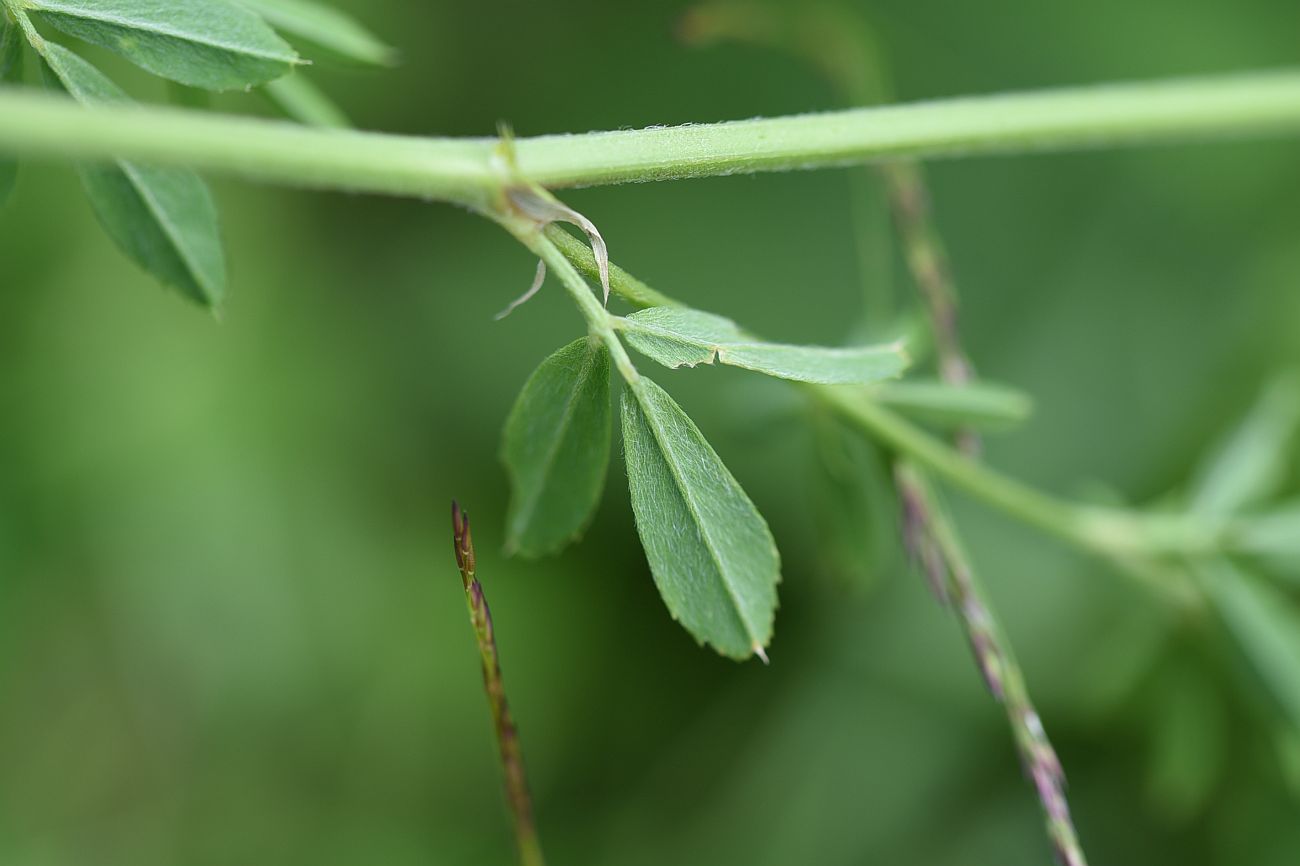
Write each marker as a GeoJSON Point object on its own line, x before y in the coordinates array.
{"type": "Point", "coordinates": [1287, 743]}
{"type": "Point", "coordinates": [1274, 537]}
{"type": "Point", "coordinates": [337, 33]}
{"type": "Point", "coordinates": [1188, 732]}
{"type": "Point", "coordinates": [983, 405]}
{"type": "Point", "coordinates": [556, 448]}
{"type": "Point", "coordinates": [164, 219]}
{"type": "Point", "coordinates": [306, 103]}
{"type": "Point", "coordinates": [1118, 664]}
{"type": "Point", "coordinates": [213, 44]}
{"type": "Point", "coordinates": [678, 337]}
{"type": "Point", "coordinates": [1264, 625]}
{"type": "Point", "coordinates": [11, 70]}
{"type": "Point", "coordinates": [1250, 464]}
{"type": "Point", "coordinates": [710, 551]}
{"type": "Point", "coordinates": [853, 505]}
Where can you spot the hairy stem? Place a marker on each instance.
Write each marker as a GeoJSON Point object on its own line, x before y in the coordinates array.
{"type": "Point", "coordinates": [933, 541]}
{"type": "Point", "coordinates": [465, 171]}
{"type": "Point", "coordinates": [512, 758]}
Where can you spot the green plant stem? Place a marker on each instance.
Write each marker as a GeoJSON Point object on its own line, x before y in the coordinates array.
{"type": "Point", "coordinates": [512, 758]}
{"type": "Point", "coordinates": [466, 171]}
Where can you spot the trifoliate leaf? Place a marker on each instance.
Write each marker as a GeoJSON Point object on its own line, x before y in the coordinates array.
{"type": "Point", "coordinates": [213, 44]}
{"type": "Point", "coordinates": [709, 549]}
{"type": "Point", "coordinates": [338, 34]}
{"type": "Point", "coordinates": [164, 219]}
{"type": "Point", "coordinates": [556, 448]}
{"type": "Point", "coordinates": [678, 337]}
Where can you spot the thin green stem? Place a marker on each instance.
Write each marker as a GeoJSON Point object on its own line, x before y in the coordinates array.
{"type": "Point", "coordinates": [464, 171]}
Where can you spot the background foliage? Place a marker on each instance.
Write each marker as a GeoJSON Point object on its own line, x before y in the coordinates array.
{"type": "Point", "coordinates": [230, 625]}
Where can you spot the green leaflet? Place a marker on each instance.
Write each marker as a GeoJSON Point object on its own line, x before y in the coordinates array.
{"type": "Point", "coordinates": [982, 405]}
{"type": "Point", "coordinates": [325, 27]}
{"type": "Point", "coordinates": [556, 448]}
{"type": "Point", "coordinates": [677, 337]}
{"type": "Point", "coordinates": [164, 219]}
{"type": "Point", "coordinates": [304, 102]}
{"type": "Point", "coordinates": [213, 44]}
{"type": "Point", "coordinates": [710, 551]}
{"type": "Point", "coordinates": [11, 70]}
{"type": "Point", "coordinates": [1250, 464]}
{"type": "Point", "coordinates": [1265, 626]}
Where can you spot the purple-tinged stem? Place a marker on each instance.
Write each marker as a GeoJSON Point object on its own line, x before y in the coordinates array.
{"type": "Point", "coordinates": [934, 544]}
{"type": "Point", "coordinates": [928, 263]}
{"type": "Point", "coordinates": [512, 759]}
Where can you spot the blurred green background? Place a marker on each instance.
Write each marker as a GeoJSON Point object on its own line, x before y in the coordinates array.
{"type": "Point", "coordinates": [231, 629]}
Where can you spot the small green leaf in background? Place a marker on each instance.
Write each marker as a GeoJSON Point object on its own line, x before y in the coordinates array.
{"type": "Point", "coordinates": [325, 27]}
{"type": "Point", "coordinates": [556, 448]}
{"type": "Point", "coordinates": [710, 551]}
{"type": "Point", "coordinates": [300, 100]}
{"type": "Point", "coordinates": [1286, 741]}
{"type": "Point", "coordinates": [1189, 730]}
{"type": "Point", "coordinates": [677, 337]}
{"type": "Point", "coordinates": [212, 44]}
{"type": "Point", "coordinates": [11, 71]}
{"type": "Point", "coordinates": [980, 405]}
{"type": "Point", "coordinates": [164, 219]}
{"type": "Point", "coordinates": [1264, 625]}
{"type": "Point", "coordinates": [1250, 465]}
{"type": "Point", "coordinates": [1273, 537]}
{"type": "Point", "coordinates": [854, 506]}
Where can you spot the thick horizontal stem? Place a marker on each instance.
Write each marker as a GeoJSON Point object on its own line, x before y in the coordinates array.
{"type": "Point", "coordinates": [466, 170]}
{"type": "Point", "coordinates": [1262, 104]}
{"type": "Point", "coordinates": [46, 126]}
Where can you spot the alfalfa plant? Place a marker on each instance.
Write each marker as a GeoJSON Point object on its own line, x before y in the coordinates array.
{"type": "Point", "coordinates": [709, 549]}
